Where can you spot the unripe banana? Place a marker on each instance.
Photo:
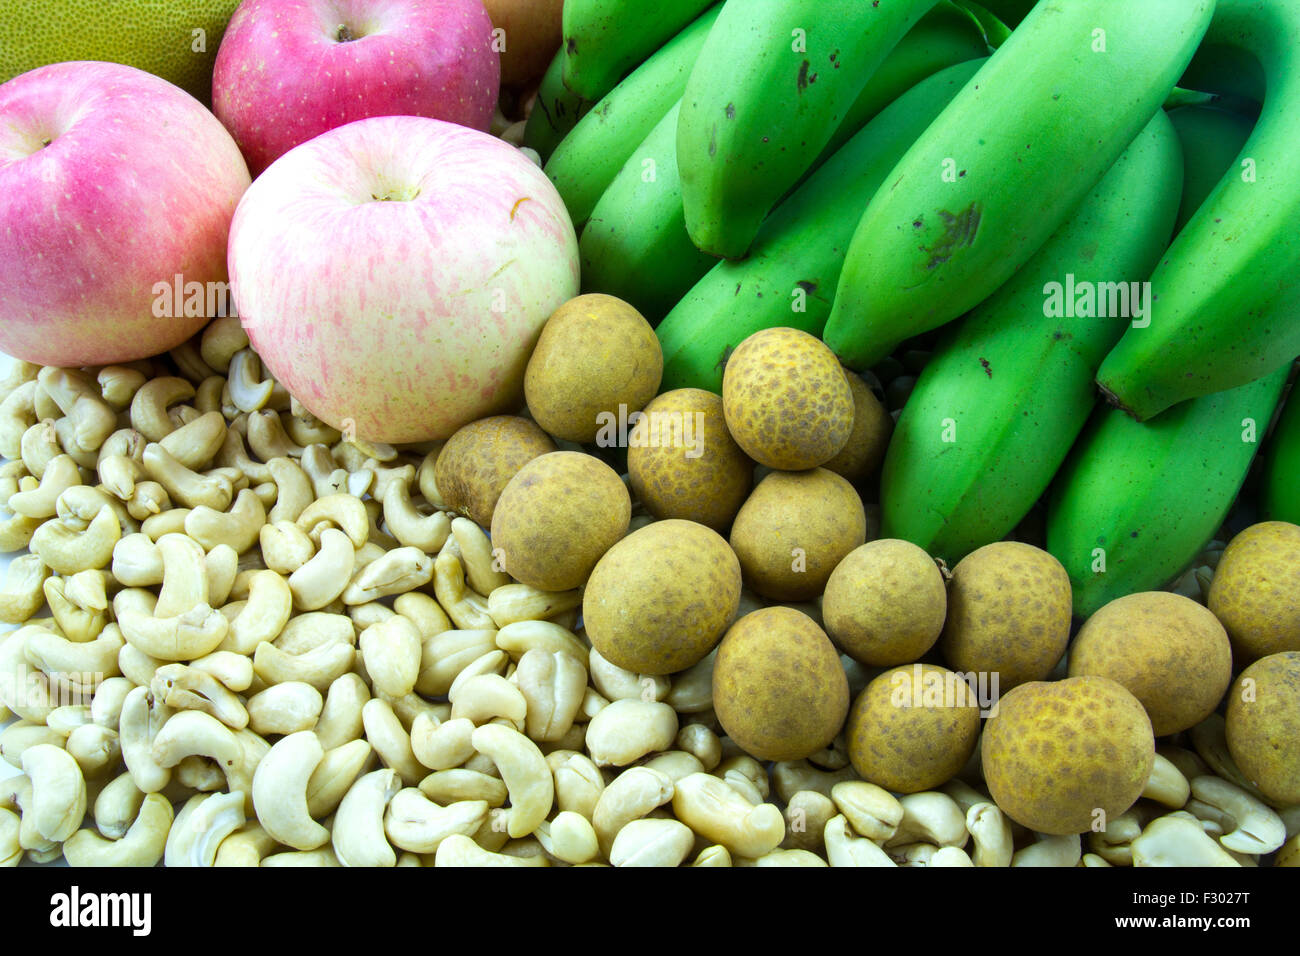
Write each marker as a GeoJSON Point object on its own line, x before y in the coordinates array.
{"type": "Point", "coordinates": [555, 112]}
{"type": "Point", "coordinates": [590, 156]}
{"type": "Point", "coordinates": [995, 410]}
{"type": "Point", "coordinates": [1280, 489]}
{"type": "Point", "coordinates": [605, 39]}
{"type": "Point", "coordinates": [1006, 163]}
{"type": "Point", "coordinates": [1226, 288]}
{"type": "Point", "coordinates": [1212, 138]}
{"type": "Point", "coordinates": [1137, 501]}
{"type": "Point", "coordinates": [773, 82]}
{"type": "Point", "coordinates": [786, 281]}
{"type": "Point", "coordinates": [636, 245]}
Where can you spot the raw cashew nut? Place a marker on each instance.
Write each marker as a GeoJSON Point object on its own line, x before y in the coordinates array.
{"type": "Point", "coordinates": [525, 773]}
{"type": "Point", "coordinates": [445, 655]}
{"type": "Point", "coordinates": [790, 857]}
{"type": "Point", "coordinates": [22, 734]}
{"type": "Point", "coordinates": [340, 718]}
{"type": "Point", "coordinates": [141, 719]}
{"type": "Point", "coordinates": [398, 571]}
{"type": "Point", "coordinates": [719, 814]}
{"type": "Point", "coordinates": [285, 708]}
{"type": "Point", "coordinates": [334, 776]}
{"type": "Point", "coordinates": [428, 533]}
{"type": "Point", "coordinates": [192, 489]}
{"type": "Point", "coordinates": [23, 591]}
{"type": "Point", "coordinates": [486, 697]}
{"type": "Point", "coordinates": [702, 743]}
{"type": "Point", "coordinates": [11, 849]}
{"type": "Point", "coordinates": [512, 603]}
{"type": "Point", "coordinates": [320, 666]}
{"type": "Point", "coordinates": [871, 810]}
{"type": "Point", "coordinates": [58, 476]}
{"type": "Point", "coordinates": [630, 796]}
{"type": "Point", "coordinates": [343, 511]}
{"type": "Point", "coordinates": [929, 817]}
{"type": "Point", "coordinates": [1177, 839]}
{"type": "Point", "coordinates": [58, 791]}
{"type": "Point", "coordinates": [248, 390]}
{"type": "Point", "coordinates": [192, 732]}
{"type": "Point", "coordinates": [185, 578]}
{"type": "Point", "coordinates": [293, 490]}
{"type": "Point", "coordinates": [239, 527]}
{"type": "Point", "coordinates": [183, 687]}
{"type": "Point", "coordinates": [569, 837]}
{"type": "Point", "coordinates": [24, 689]}
{"type": "Point", "coordinates": [195, 445]}
{"type": "Point", "coordinates": [245, 847]}
{"type": "Point", "coordinates": [267, 437]}
{"type": "Point", "coordinates": [200, 826]}
{"type": "Point", "coordinates": [520, 637]}
{"type": "Point", "coordinates": [95, 748]}
{"type": "Point", "coordinates": [280, 791]}
{"type": "Point", "coordinates": [1259, 829]}
{"type": "Point", "coordinates": [78, 397]}
{"type": "Point", "coordinates": [137, 562]}
{"type": "Point", "coordinates": [326, 576]}
{"type": "Point", "coordinates": [116, 806]}
{"type": "Point", "coordinates": [413, 822]}
{"type": "Point", "coordinates": [150, 403]}
{"type": "Point", "coordinates": [358, 837]}
{"type": "Point", "coordinates": [617, 683]}
{"type": "Point", "coordinates": [628, 730]}
{"type": "Point", "coordinates": [845, 849]}
{"type": "Point", "coordinates": [195, 633]}
{"type": "Point", "coordinates": [652, 843]}
{"type": "Point", "coordinates": [386, 734]}
{"type": "Point", "coordinates": [552, 685]}
{"type": "Point", "coordinates": [806, 816]}
{"type": "Point", "coordinates": [267, 611]}
{"type": "Point", "coordinates": [143, 844]}
{"type": "Point", "coordinates": [466, 608]}
{"type": "Point", "coordinates": [461, 851]}
{"type": "Point", "coordinates": [1050, 850]}
{"type": "Point", "coordinates": [17, 414]}
{"type": "Point", "coordinates": [67, 550]}
{"type": "Point", "coordinates": [476, 554]}
{"type": "Point", "coordinates": [990, 831]}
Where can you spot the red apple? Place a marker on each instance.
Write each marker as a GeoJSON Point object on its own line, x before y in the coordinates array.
{"type": "Point", "coordinates": [288, 70]}
{"type": "Point", "coordinates": [113, 183]}
{"type": "Point", "coordinates": [394, 274]}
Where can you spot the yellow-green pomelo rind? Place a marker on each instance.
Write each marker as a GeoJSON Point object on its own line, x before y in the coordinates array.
{"type": "Point", "coordinates": [174, 39]}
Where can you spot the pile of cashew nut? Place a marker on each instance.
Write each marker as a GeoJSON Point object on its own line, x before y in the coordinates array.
{"type": "Point", "coordinates": [243, 640]}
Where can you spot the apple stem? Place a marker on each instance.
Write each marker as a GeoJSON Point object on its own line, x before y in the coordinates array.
{"type": "Point", "coordinates": [344, 34]}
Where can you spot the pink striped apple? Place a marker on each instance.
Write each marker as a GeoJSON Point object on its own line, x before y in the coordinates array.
{"type": "Point", "coordinates": [289, 70]}
{"type": "Point", "coordinates": [394, 274]}
{"type": "Point", "coordinates": [115, 187]}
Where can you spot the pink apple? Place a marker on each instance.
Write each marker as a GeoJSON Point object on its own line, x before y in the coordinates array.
{"type": "Point", "coordinates": [394, 274]}
{"type": "Point", "coordinates": [113, 183]}
{"type": "Point", "coordinates": [289, 70]}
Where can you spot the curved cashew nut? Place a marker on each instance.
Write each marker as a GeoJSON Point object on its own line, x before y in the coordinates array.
{"type": "Point", "coordinates": [199, 828]}
{"type": "Point", "coordinates": [871, 810]}
{"type": "Point", "coordinates": [137, 666]}
{"type": "Point", "coordinates": [616, 683]}
{"type": "Point", "coordinates": [245, 847]}
{"type": "Point", "coordinates": [16, 532]}
{"type": "Point", "coordinates": [59, 475]}
{"type": "Point", "coordinates": [1258, 829]}
{"type": "Point", "coordinates": [552, 684]}
{"type": "Point", "coordinates": [268, 439]}
{"type": "Point", "coordinates": [410, 527]}
{"type": "Point", "coordinates": [306, 429]}
{"type": "Point", "coordinates": [1177, 839]}
{"type": "Point", "coordinates": [326, 477]}
{"type": "Point", "coordinates": [183, 687]}
{"type": "Point", "coordinates": [702, 743]}
{"type": "Point", "coordinates": [239, 528]}
{"type": "Point", "coordinates": [445, 655]}
{"type": "Point", "coordinates": [24, 689]}
{"type": "Point", "coordinates": [843, 848]}
{"type": "Point", "coordinates": [248, 390]}
{"type": "Point", "coordinates": [293, 490]}
{"type": "Point", "coordinates": [40, 446]}
{"type": "Point", "coordinates": [235, 671]}
{"type": "Point", "coordinates": [990, 831]}
{"type": "Point", "coordinates": [189, 487]}
{"type": "Point", "coordinates": [400, 570]}
{"type": "Point", "coordinates": [286, 547]}
{"type": "Point", "coordinates": [195, 445]}
{"type": "Point", "coordinates": [806, 816]}
{"type": "Point", "coordinates": [520, 637]}
{"type": "Point", "coordinates": [340, 718]}
{"type": "Point", "coordinates": [627, 730]}
{"type": "Point", "coordinates": [630, 796]}
{"type": "Point", "coordinates": [23, 591]}
{"type": "Point", "coordinates": [466, 608]}
{"type": "Point", "coordinates": [67, 550]}
{"type": "Point", "coordinates": [1112, 843]}
{"type": "Point", "coordinates": [335, 774]}
{"type": "Point", "coordinates": [461, 851]}
{"type": "Point", "coordinates": [325, 577]}
{"type": "Point", "coordinates": [233, 454]}
{"type": "Point", "coordinates": [485, 697]}
{"type": "Point", "coordinates": [285, 708]}
{"type": "Point", "coordinates": [22, 734]}
{"type": "Point", "coordinates": [17, 414]}
{"type": "Point", "coordinates": [476, 554]}
{"type": "Point", "coordinates": [223, 337]}
{"type": "Point", "coordinates": [150, 403]}
{"type": "Point", "coordinates": [441, 746]}
{"type": "Point", "coordinates": [391, 652]}
{"type": "Point", "coordinates": [78, 397]}
{"type": "Point", "coordinates": [653, 843]}
{"type": "Point", "coordinates": [358, 837]}
{"type": "Point", "coordinates": [280, 791]}
{"type": "Point", "coordinates": [343, 511]}
{"type": "Point", "coordinates": [58, 791]}
{"type": "Point", "coordinates": [171, 521]}
{"type": "Point", "coordinates": [185, 578]}
{"type": "Point", "coordinates": [144, 844]}
{"type": "Point", "coordinates": [194, 733]}
{"type": "Point", "coordinates": [525, 772]}
{"type": "Point", "coordinates": [319, 666]}
{"type": "Point", "coordinates": [189, 362]}
{"type": "Point", "coordinates": [512, 603]}
{"type": "Point", "coordinates": [117, 806]}
{"type": "Point", "coordinates": [719, 814]}
{"type": "Point", "coordinates": [222, 567]}
{"type": "Point", "coordinates": [413, 822]}
{"type": "Point", "coordinates": [94, 748]}
{"type": "Point", "coordinates": [929, 817]}
{"type": "Point", "coordinates": [386, 734]}
{"type": "Point", "coordinates": [118, 384]}
{"type": "Point", "coordinates": [1050, 850]}
{"type": "Point", "coordinates": [106, 706]}
{"type": "Point", "coordinates": [195, 633]}
{"type": "Point", "coordinates": [137, 562]}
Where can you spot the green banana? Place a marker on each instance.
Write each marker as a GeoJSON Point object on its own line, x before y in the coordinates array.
{"type": "Point", "coordinates": [799, 251]}
{"type": "Point", "coordinates": [773, 82]}
{"type": "Point", "coordinates": [995, 410]}
{"type": "Point", "coordinates": [588, 159]}
{"type": "Point", "coordinates": [1226, 286]}
{"type": "Point", "coordinates": [995, 31]}
{"type": "Point", "coordinates": [1212, 139]}
{"type": "Point", "coordinates": [636, 245]}
{"type": "Point", "coordinates": [1280, 491]}
{"type": "Point", "coordinates": [1006, 163]}
{"type": "Point", "coordinates": [556, 111]}
{"type": "Point", "coordinates": [605, 39]}
{"type": "Point", "coordinates": [1137, 501]}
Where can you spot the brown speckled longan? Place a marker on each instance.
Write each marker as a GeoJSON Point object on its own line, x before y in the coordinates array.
{"type": "Point", "coordinates": [792, 531]}
{"type": "Point", "coordinates": [1263, 725]}
{"type": "Point", "coordinates": [1255, 592]}
{"type": "Point", "coordinates": [1056, 753]}
{"type": "Point", "coordinates": [1009, 611]}
{"type": "Point", "coordinates": [787, 402]}
{"type": "Point", "coordinates": [479, 460]}
{"type": "Point", "coordinates": [595, 353]}
{"type": "Point", "coordinates": [913, 728]}
{"type": "Point", "coordinates": [1168, 651]}
{"type": "Point", "coordinates": [660, 599]}
{"type": "Point", "coordinates": [862, 454]}
{"type": "Point", "coordinates": [557, 517]}
{"type": "Point", "coordinates": [779, 690]}
{"type": "Point", "coordinates": [885, 603]}
{"type": "Point", "coordinates": [702, 477]}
